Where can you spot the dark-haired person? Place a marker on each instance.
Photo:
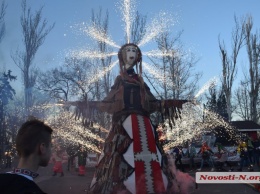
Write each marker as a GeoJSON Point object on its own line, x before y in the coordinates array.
{"type": "Point", "coordinates": [33, 145]}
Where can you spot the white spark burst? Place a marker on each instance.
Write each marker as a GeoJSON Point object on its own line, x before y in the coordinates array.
{"type": "Point", "coordinates": [159, 75]}
{"type": "Point", "coordinates": [212, 82]}
{"type": "Point", "coordinates": [99, 35]}
{"type": "Point", "coordinates": [158, 53]}
{"type": "Point", "coordinates": [72, 131]}
{"type": "Point", "coordinates": [91, 54]}
{"type": "Point", "coordinates": [128, 9]}
{"type": "Point", "coordinates": [69, 138]}
{"type": "Point", "coordinates": [158, 25]}
{"type": "Point", "coordinates": [155, 72]}
{"type": "Point", "coordinates": [195, 121]}
{"type": "Point", "coordinates": [102, 72]}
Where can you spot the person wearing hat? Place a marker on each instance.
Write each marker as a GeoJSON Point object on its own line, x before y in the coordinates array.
{"type": "Point", "coordinates": [244, 155]}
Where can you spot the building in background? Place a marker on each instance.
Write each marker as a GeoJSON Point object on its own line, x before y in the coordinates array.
{"type": "Point", "coordinates": [247, 129]}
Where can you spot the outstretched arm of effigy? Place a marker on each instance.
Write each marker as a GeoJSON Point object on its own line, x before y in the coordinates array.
{"type": "Point", "coordinates": [89, 106]}
{"type": "Point", "coordinates": [173, 103]}
{"type": "Point", "coordinates": [163, 105]}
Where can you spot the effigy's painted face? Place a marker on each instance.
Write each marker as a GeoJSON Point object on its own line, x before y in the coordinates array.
{"type": "Point", "coordinates": [131, 56]}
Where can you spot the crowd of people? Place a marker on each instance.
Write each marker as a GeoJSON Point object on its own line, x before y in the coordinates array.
{"type": "Point", "coordinates": [248, 151]}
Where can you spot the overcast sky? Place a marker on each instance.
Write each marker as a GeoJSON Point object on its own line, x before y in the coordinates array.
{"type": "Point", "coordinates": [202, 21]}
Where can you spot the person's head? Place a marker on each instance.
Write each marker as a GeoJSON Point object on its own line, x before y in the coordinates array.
{"type": "Point", "coordinates": [34, 137]}
{"type": "Point", "coordinates": [82, 148]}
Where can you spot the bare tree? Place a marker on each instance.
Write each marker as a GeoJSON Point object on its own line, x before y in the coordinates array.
{"type": "Point", "coordinates": [53, 83]}
{"type": "Point", "coordinates": [69, 81]}
{"type": "Point", "coordinates": [102, 86]}
{"type": "Point", "coordinates": [243, 101]}
{"type": "Point", "coordinates": [34, 31]}
{"type": "Point", "coordinates": [177, 80]}
{"type": "Point", "coordinates": [253, 51]}
{"type": "Point", "coordinates": [102, 24]}
{"type": "Point", "coordinates": [2, 21]}
{"type": "Point", "coordinates": [229, 64]}
{"type": "Point", "coordinates": [138, 29]}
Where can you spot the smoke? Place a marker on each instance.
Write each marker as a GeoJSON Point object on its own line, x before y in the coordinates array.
{"type": "Point", "coordinates": [182, 183]}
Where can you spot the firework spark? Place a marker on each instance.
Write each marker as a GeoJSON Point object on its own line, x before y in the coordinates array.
{"type": "Point", "coordinates": [99, 35]}
{"type": "Point", "coordinates": [158, 25]}
{"type": "Point", "coordinates": [154, 72]}
{"type": "Point", "coordinates": [72, 131]}
{"type": "Point", "coordinates": [127, 9]}
{"type": "Point", "coordinates": [91, 54]}
{"type": "Point", "coordinates": [102, 72]}
{"type": "Point", "coordinates": [211, 83]}
{"type": "Point", "coordinates": [158, 53]}
{"type": "Point", "coordinates": [195, 122]}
